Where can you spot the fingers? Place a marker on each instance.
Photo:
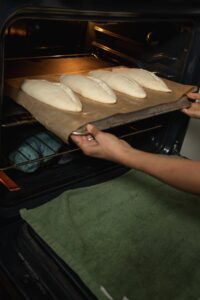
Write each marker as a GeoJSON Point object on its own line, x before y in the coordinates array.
{"type": "Point", "coordinates": [93, 130]}
{"type": "Point", "coordinates": [193, 111]}
{"type": "Point", "coordinates": [89, 139]}
{"type": "Point", "coordinates": [185, 111]}
{"type": "Point", "coordinates": [77, 139]}
{"type": "Point", "coordinates": [194, 96]}
{"type": "Point", "coordinates": [86, 142]}
{"type": "Point", "coordinates": [89, 143]}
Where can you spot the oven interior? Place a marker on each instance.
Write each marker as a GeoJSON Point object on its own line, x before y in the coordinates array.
{"type": "Point", "coordinates": [31, 49]}
{"type": "Point", "coordinates": [42, 46]}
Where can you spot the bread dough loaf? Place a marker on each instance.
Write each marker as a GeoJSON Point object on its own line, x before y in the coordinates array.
{"type": "Point", "coordinates": [120, 82]}
{"type": "Point", "coordinates": [52, 93]}
{"type": "Point", "coordinates": [90, 87]}
{"type": "Point", "coordinates": [144, 78]}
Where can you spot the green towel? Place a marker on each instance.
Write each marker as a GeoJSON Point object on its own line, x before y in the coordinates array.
{"type": "Point", "coordinates": [133, 237]}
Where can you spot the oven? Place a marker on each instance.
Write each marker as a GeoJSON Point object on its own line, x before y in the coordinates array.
{"type": "Point", "coordinates": [49, 37]}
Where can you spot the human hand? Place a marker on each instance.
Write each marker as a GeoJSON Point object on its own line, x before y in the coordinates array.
{"type": "Point", "coordinates": [102, 145]}
{"type": "Point", "coordinates": [194, 110]}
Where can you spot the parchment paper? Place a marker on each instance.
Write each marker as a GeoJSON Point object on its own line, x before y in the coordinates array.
{"type": "Point", "coordinates": [126, 109]}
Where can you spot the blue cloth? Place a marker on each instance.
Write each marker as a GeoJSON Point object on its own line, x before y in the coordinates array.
{"type": "Point", "coordinates": [42, 145]}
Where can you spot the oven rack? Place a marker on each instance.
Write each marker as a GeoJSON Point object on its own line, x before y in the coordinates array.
{"type": "Point", "coordinates": [18, 120]}
{"type": "Point", "coordinates": [68, 149]}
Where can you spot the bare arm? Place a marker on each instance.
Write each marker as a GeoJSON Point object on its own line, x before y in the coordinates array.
{"type": "Point", "coordinates": [178, 172]}
{"type": "Point", "coordinates": [181, 173]}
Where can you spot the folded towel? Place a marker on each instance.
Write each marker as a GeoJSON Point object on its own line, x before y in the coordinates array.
{"type": "Point", "coordinates": [133, 237]}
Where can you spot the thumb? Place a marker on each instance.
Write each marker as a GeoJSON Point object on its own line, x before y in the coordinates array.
{"type": "Point", "coordinates": [93, 130]}
{"type": "Point", "coordinates": [185, 110]}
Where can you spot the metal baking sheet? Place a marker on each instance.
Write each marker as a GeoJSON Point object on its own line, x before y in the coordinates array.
{"type": "Point", "coordinates": [120, 119]}
{"type": "Point", "coordinates": [126, 110]}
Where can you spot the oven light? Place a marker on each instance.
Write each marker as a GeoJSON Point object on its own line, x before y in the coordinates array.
{"type": "Point", "coordinates": [97, 28]}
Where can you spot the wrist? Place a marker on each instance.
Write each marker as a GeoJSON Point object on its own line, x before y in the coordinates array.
{"type": "Point", "coordinates": [129, 157]}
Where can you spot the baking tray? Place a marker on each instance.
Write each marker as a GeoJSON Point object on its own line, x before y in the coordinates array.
{"type": "Point", "coordinates": [126, 110]}
{"type": "Point", "coordinates": [125, 118]}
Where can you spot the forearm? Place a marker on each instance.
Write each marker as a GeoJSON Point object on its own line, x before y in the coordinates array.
{"type": "Point", "coordinates": [178, 172]}
{"type": "Point", "coordinates": [181, 173]}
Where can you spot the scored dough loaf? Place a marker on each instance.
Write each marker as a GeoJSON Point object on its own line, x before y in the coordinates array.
{"type": "Point", "coordinates": [144, 78]}
{"type": "Point", "coordinates": [90, 87]}
{"type": "Point", "coordinates": [120, 82]}
{"type": "Point", "coordinates": [52, 93]}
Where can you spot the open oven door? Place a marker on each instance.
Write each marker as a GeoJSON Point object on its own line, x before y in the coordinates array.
{"type": "Point", "coordinates": [161, 37]}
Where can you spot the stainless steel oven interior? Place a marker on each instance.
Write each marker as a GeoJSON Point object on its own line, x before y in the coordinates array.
{"type": "Point", "coordinates": [35, 165]}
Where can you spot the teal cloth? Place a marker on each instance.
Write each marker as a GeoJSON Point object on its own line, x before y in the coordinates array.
{"type": "Point", "coordinates": [39, 146]}
{"type": "Point", "coordinates": [134, 236]}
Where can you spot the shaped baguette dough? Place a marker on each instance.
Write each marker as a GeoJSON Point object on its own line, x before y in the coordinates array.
{"type": "Point", "coordinates": [52, 93]}
{"type": "Point", "coordinates": [90, 87]}
{"type": "Point", "coordinates": [144, 78]}
{"type": "Point", "coordinates": [120, 82]}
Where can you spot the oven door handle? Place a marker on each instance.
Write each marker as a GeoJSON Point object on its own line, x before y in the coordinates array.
{"type": "Point", "coordinates": [10, 184]}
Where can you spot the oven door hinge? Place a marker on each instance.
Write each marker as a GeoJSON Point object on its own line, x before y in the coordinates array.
{"type": "Point", "coordinates": [8, 182]}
